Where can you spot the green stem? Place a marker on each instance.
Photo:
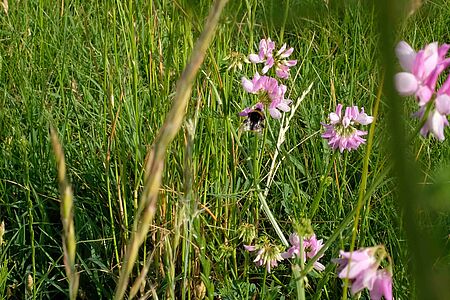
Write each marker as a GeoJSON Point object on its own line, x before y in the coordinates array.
{"type": "Point", "coordinates": [286, 13]}
{"type": "Point", "coordinates": [315, 203]}
{"type": "Point", "coordinates": [363, 185]}
{"type": "Point", "coordinates": [299, 281]}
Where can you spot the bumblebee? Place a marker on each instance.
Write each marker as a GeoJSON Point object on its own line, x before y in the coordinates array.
{"type": "Point", "coordinates": [254, 121]}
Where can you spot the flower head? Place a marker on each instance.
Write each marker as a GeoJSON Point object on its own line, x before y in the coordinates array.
{"type": "Point", "coordinates": [270, 93]}
{"type": "Point", "coordinates": [311, 247]}
{"type": "Point", "coordinates": [361, 268]}
{"type": "Point", "coordinates": [267, 254]}
{"type": "Point", "coordinates": [341, 132]}
{"type": "Point", "coordinates": [279, 60]}
{"type": "Point", "coordinates": [421, 69]}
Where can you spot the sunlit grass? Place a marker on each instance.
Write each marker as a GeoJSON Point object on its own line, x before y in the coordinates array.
{"type": "Point", "coordinates": [103, 75]}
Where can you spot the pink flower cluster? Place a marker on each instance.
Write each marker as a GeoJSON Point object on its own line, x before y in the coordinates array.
{"type": "Point", "coordinates": [341, 132]}
{"type": "Point", "coordinates": [270, 93]}
{"type": "Point", "coordinates": [269, 255]}
{"type": "Point", "coordinates": [265, 55]}
{"type": "Point", "coordinates": [361, 267]}
{"type": "Point", "coordinates": [311, 247]}
{"type": "Point", "coordinates": [420, 74]}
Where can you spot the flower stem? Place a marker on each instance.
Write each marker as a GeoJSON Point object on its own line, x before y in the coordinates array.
{"type": "Point", "coordinates": [299, 281]}
{"type": "Point", "coordinates": [315, 204]}
{"type": "Point", "coordinates": [363, 185]}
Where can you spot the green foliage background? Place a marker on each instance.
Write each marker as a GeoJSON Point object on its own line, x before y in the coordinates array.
{"type": "Point", "coordinates": [103, 74]}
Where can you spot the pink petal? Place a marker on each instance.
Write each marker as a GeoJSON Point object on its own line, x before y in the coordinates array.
{"type": "Point", "coordinates": [431, 58]}
{"type": "Point", "coordinates": [281, 49]}
{"type": "Point", "coordinates": [290, 63]}
{"type": "Point", "coordinates": [318, 266]}
{"type": "Point", "coordinates": [287, 53]}
{"type": "Point", "coordinates": [382, 286]}
{"type": "Point", "coordinates": [406, 83]}
{"type": "Point", "coordinates": [249, 248]}
{"type": "Point", "coordinates": [282, 73]}
{"type": "Point", "coordinates": [424, 94]}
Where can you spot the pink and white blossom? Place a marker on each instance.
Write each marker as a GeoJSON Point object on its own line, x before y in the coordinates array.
{"type": "Point", "coordinates": [311, 247]}
{"type": "Point", "coordinates": [361, 268]}
{"type": "Point", "coordinates": [278, 60]}
{"type": "Point", "coordinates": [421, 69]}
{"type": "Point", "coordinates": [270, 93]}
{"type": "Point", "coordinates": [267, 255]}
{"type": "Point", "coordinates": [341, 133]}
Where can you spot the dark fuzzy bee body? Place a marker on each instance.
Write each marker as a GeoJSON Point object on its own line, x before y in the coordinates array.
{"type": "Point", "coordinates": [254, 121]}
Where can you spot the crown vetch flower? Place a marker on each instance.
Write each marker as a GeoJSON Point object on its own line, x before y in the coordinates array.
{"type": "Point", "coordinates": [267, 255]}
{"type": "Point", "coordinates": [437, 117]}
{"type": "Point", "coordinates": [421, 69]}
{"type": "Point", "coordinates": [270, 93]}
{"type": "Point", "coordinates": [361, 268]}
{"type": "Point", "coordinates": [279, 60]}
{"type": "Point", "coordinates": [310, 248]}
{"type": "Point", "coordinates": [341, 132]}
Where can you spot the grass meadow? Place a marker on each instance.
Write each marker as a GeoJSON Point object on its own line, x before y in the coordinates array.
{"type": "Point", "coordinates": [103, 75]}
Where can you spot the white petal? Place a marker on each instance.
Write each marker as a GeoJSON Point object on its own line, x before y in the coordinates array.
{"type": "Point", "coordinates": [443, 104]}
{"type": "Point", "coordinates": [283, 106]}
{"type": "Point", "coordinates": [364, 119]}
{"type": "Point", "coordinates": [334, 118]}
{"type": "Point", "coordinates": [275, 113]}
{"type": "Point", "coordinates": [247, 84]}
{"type": "Point", "coordinates": [406, 55]}
{"type": "Point", "coordinates": [406, 83]}
{"type": "Point", "coordinates": [254, 58]}
{"type": "Point", "coordinates": [437, 125]}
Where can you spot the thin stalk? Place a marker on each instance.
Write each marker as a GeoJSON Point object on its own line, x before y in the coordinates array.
{"type": "Point", "coordinates": [271, 218]}
{"type": "Point", "coordinates": [363, 185]}
{"type": "Point", "coordinates": [315, 203]}
{"type": "Point", "coordinates": [299, 281]}
{"type": "Point", "coordinates": [285, 16]}
{"type": "Point", "coordinates": [30, 223]}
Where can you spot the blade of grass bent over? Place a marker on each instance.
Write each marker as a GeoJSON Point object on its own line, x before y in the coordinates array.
{"type": "Point", "coordinates": [155, 158]}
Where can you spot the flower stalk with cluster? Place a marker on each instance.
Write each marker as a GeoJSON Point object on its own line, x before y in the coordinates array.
{"type": "Point", "coordinates": [311, 247]}
{"type": "Point", "coordinates": [421, 71]}
{"type": "Point", "coordinates": [271, 93]}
